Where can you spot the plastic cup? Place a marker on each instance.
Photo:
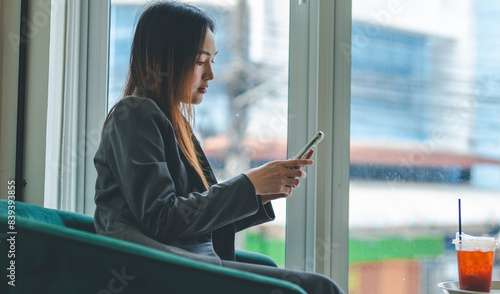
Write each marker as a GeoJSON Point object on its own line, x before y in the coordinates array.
{"type": "Point", "coordinates": [475, 261]}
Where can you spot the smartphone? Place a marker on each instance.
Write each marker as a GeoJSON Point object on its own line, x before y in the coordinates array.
{"type": "Point", "coordinates": [311, 145]}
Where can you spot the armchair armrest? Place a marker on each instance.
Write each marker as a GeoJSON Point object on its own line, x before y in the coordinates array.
{"type": "Point", "coordinates": [55, 259]}
{"type": "Point", "coordinates": [253, 257]}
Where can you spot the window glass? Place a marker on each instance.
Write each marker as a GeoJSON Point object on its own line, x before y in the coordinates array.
{"type": "Point", "coordinates": [242, 121]}
{"type": "Point", "coordinates": [425, 131]}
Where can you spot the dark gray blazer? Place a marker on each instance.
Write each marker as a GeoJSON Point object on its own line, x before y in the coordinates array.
{"type": "Point", "coordinates": [148, 193]}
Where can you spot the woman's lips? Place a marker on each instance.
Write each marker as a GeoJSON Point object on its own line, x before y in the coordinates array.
{"type": "Point", "coordinates": [202, 90]}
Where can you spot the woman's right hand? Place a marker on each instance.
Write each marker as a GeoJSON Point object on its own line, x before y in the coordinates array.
{"type": "Point", "coordinates": [278, 177]}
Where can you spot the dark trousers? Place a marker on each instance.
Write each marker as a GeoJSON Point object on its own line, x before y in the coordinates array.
{"type": "Point", "coordinates": [310, 282]}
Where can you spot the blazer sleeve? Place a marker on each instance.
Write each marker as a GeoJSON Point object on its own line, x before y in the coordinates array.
{"type": "Point", "coordinates": [137, 157]}
{"type": "Point", "coordinates": [264, 214]}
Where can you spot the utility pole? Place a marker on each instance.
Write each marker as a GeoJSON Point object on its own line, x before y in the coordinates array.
{"type": "Point", "coordinates": [238, 84]}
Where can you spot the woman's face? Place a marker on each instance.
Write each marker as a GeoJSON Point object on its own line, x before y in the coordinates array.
{"type": "Point", "coordinates": [203, 68]}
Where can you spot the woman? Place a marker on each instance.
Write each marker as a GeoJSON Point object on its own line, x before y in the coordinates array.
{"type": "Point", "coordinates": [155, 186]}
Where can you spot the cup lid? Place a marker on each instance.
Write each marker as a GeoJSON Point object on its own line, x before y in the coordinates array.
{"type": "Point", "coordinates": [473, 239]}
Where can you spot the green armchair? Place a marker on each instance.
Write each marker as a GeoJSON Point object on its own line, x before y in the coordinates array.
{"type": "Point", "coordinates": [58, 252]}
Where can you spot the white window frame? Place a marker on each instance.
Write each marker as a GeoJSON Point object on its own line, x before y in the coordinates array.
{"type": "Point", "coordinates": [78, 89]}
{"type": "Point", "coordinates": [96, 103]}
{"type": "Point", "coordinates": [317, 236]}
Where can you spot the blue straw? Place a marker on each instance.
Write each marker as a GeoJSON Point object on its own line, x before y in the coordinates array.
{"type": "Point", "coordinates": [459, 221]}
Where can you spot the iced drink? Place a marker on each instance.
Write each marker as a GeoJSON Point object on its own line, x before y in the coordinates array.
{"type": "Point", "coordinates": [475, 262]}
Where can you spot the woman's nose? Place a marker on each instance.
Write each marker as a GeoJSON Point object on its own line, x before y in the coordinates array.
{"type": "Point", "coordinates": [209, 73]}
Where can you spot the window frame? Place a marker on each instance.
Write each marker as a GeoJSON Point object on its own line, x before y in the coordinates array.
{"type": "Point", "coordinates": [76, 108]}
{"type": "Point", "coordinates": [96, 90]}
{"type": "Point", "coordinates": [317, 236]}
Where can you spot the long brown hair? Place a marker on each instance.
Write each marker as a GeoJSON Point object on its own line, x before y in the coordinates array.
{"type": "Point", "coordinates": [167, 39]}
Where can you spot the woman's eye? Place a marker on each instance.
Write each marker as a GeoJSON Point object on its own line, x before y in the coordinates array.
{"type": "Point", "coordinates": [200, 63]}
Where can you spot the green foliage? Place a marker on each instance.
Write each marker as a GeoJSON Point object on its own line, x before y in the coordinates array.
{"type": "Point", "coordinates": [272, 247]}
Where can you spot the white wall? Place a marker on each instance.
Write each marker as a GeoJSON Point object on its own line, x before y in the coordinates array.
{"type": "Point", "coordinates": [36, 96]}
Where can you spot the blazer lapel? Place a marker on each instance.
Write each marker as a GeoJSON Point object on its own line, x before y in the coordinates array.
{"type": "Point", "coordinates": [222, 238]}
{"type": "Point", "coordinates": [205, 165]}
